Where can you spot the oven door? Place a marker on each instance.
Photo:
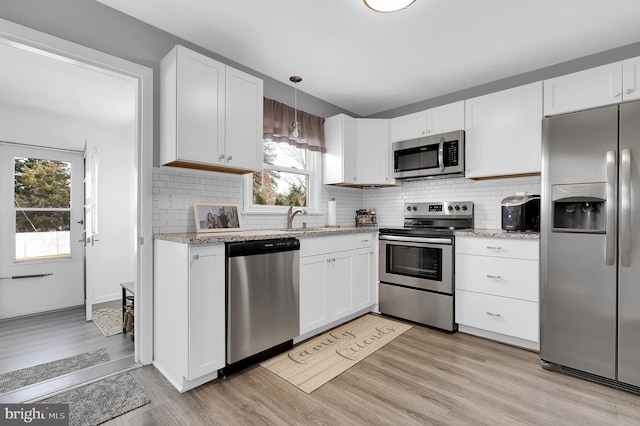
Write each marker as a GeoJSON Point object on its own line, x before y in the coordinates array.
{"type": "Point", "coordinates": [418, 262]}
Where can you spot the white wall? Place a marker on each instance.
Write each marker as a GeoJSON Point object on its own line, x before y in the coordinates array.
{"type": "Point", "coordinates": [175, 190]}
{"type": "Point", "coordinates": [114, 257]}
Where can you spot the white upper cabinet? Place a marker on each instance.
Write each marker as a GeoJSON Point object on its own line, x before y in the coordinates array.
{"type": "Point", "coordinates": [631, 79]}
{"type": "Point", "coordinates": [503, 132]}
{"type": "Point", "coordinates": [358, 151]}
{"type": "Point", "coordinates": [604, 85]}
{"type": "Point", "coordinates": [373, 152]}
{"type": "Point", "coordinates": [445, 118]}
{"type": "Point", "coordinates": [210, 114]}
{"type": "Point", "coordinates": [410, 126]}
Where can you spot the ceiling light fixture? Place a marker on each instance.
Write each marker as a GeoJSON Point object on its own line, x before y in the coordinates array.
{"type": "Point", "coordinates": [386, 6]}
{"type": "Point", "coordinates": [295, 125]}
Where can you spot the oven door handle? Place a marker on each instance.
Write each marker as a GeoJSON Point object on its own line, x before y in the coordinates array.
{"type": "Point", "coordinates": [416, 239]}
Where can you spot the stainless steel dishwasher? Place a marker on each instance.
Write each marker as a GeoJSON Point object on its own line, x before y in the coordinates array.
{"type": "Point", "coordinates": [262, 299]}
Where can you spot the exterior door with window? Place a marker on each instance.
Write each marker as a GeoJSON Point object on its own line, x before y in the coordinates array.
{"type": "Point", "coordinates": [41, 215]}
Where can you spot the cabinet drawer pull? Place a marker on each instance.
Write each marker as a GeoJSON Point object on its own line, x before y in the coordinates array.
{"type": "Point", "coordinates": [494, 248]}
{"type": "Point", "coordinates": [616, 94]}
{"type": "Point", "coordinates": [629, 91]}
{"type": "Point", "coordinates": [491, 314]}
{"type": "Point", "coordinates": [494, 277]}
{"type": "Point", "coordinates": [196, 257]}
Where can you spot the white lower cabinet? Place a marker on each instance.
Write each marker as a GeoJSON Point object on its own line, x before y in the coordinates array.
{"type": "Point", "coordinates": [337, 279]}
{"type": "Point", "coordinates": [497, 288]}
{"type": "Point", "coordinates": [189, 312]}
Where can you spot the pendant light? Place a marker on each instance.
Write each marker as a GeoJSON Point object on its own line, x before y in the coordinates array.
{"type": "Point", "coordinates": [386, 6]}
{"type": "Point", "coordinates": [295, 132]}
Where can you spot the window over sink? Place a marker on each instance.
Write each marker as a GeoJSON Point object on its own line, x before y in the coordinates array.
{"type": "Point", "coordinates": [290, 176]}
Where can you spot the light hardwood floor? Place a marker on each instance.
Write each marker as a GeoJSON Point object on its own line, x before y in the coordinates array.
{"type": "Point", "coordinates": [422, 377]}
{"type": "Point", "coordinates": [42, 338]}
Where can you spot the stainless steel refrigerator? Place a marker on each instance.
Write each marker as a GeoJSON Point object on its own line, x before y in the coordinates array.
{"type": "Point", "coordinates": [590, 245]}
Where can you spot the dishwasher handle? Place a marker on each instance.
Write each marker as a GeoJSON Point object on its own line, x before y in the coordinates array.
{"type": "Point", "coordinates": [250, 248]}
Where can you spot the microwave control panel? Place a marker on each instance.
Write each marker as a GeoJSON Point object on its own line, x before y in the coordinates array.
{"type": "Point", "coordinates": [450, 153]}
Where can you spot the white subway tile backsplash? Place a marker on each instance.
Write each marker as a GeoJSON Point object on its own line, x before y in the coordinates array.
{"type": "Point", "coordinates": [175, 190]}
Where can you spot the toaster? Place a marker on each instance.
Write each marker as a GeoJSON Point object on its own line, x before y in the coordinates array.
{"type": "Point", "coordinates": [521, 213]}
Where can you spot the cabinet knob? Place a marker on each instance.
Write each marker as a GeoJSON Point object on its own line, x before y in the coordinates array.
{"type": "Point", "coordinates": [628, 91]}
{"type": "Point", "coordinates": [616, 94]}
{"type": "Point", "coordinates": [428, 130]}
{"type": "Point", "coordinates": [196, 257]}
{"type": "Point", "coordinates": [221, 157]}
{"type": "Point", "coordinates": [229, 158]}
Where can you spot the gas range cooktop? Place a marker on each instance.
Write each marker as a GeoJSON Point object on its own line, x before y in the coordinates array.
{"type": "Point", "coordinates": [434, 218]}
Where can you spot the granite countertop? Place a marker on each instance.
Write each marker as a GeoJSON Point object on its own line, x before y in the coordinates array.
{"type": "Point", "coordinates": [260, 234]}
{"type": "Point", "coordinates": [498, 233]}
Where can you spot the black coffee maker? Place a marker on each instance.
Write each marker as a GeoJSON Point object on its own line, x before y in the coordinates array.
{"type": "Point", "coordinates": [521, 213]}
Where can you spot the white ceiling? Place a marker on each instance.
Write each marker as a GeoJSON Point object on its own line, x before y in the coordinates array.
{"type": "Point", "coordinates": [367, 62]}
{"type": "Point", "coordinates": [37, 81]}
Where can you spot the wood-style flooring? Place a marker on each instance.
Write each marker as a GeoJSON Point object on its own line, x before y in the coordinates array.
{"type": "Point", "coordinates": [37, 339]}
{"type": "Point", "coordinates": [423, 377]}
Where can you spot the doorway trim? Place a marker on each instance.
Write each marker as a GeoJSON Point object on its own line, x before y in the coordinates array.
{"type": "Point", "coordinates": [36, 41]}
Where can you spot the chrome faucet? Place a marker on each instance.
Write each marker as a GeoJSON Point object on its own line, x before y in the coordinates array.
{"type": "Point", "coordinates": [291, 214]}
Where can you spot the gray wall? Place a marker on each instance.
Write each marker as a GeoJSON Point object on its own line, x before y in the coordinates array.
{"type": "Point", "coordinates": [92, 24]}
{"type": "Point", "coordinates": [602, 58]}
{"type": "Point", "coordinates": [95, 25]}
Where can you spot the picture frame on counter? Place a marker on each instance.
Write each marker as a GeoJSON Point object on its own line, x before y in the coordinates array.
{"type": "Point", "coordinates": [217, 217]}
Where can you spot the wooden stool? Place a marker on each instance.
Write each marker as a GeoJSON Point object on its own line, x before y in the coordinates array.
{"type": "Point", "coordinates": [128, 301]}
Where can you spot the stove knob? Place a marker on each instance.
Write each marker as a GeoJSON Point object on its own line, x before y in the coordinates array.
{"type": "Point", "coordinates": [457, 208]}
{"type": "Point", "coordinates": [415, 209]}
{"type": "Point", "coordinates": [464, 208]}
{"type": "Point", "coordinates": [450, 208]}
{"type": "Point", "coordinates": [408, 208]}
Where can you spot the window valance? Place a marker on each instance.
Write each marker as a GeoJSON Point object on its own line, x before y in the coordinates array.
{"type": "Point", "coordinates": [277, 126]}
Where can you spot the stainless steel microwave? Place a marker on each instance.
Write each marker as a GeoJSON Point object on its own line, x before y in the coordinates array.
{"type": "Point", "coordinates": [430, 156]}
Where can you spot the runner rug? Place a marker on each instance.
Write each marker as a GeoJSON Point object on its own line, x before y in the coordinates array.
{"type": "Point", "coordinates": [313, 363]}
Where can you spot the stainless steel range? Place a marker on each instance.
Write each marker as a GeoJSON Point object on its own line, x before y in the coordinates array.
{"type": "Point", "coordinates": [416, 268]}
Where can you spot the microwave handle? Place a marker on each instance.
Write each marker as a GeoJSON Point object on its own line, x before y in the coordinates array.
{"type": "Point", "coordinates": [441, 155]}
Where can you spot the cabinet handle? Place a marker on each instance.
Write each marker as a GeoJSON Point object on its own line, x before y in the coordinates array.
{"type": "Point", "coordinates": [229, 158]}
{"type": "Point", "coordinates": [221, 157]}
{"type": "Point", "coordinates": [371, 253]}
{"type": "Point", "coordinates": [495, 277]}
{"type": "Point", "coordinates": [629, 91]}
{"type": "Point", "coordinates": [616, 94]}
{"type": "Point", "coordinates": [494, 315]}
{"type": "Point", "coordinates": [494, 248]}
{"type": "Point", "coordinates": [196, 257]}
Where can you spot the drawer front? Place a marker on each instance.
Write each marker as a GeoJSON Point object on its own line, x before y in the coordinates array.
{"type": "Point", "coordinates": [514, 278]}
{"type": "Point", "coordinates": [312, 246]}
{"type": "Point", "coordinates": [516, 318]}
{"type": "Point", "coordinates": [499, 247]}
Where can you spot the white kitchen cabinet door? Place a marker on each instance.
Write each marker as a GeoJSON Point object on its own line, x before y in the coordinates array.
{"type": "Point", "coordinates": [206, 327]}
{"type": "Point", "coordinates": [192, 107]}
{"type": "Point", "coordinates": [210, 114]}
{"type": "Point", "coordinates": [631, 79]}
{"type": "Point", "coordinates": [338, 161]}
{"type": "Point", "coordinates": [373, 152]}
{"type": "Point", "coordinates": [503, 132]}
{"type": "Point", "coordinates": [314, 292]}
{"type": "Point", "coordinates": [341, 285]}
{"type": "Point", "coordinates": [364, 279]}
{"type": "Point", "coordinates": [445, 118]}
{"type": "Point", "coordinates": [244, 115]}
{"type": "Point", "coordinates": [410, 126]}
{"type": "Point", "coordinates": [583, 89]}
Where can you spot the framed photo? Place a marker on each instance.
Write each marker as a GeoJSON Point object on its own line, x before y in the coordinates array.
{"type": "Point", "coordinates": [217, 217]}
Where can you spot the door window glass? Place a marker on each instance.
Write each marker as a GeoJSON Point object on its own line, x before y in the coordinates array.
{"type": "Point", "coordinates": [42, 207]}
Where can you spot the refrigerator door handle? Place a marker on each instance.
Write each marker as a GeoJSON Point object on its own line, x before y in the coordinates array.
{"type": "Point", "coordinates": [610, 226]}
{"type": "Point", "coordinates": [625, 207]}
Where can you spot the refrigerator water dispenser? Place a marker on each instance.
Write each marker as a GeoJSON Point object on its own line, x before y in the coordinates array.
{"type": "Point", "coordinates": [579, 207]}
